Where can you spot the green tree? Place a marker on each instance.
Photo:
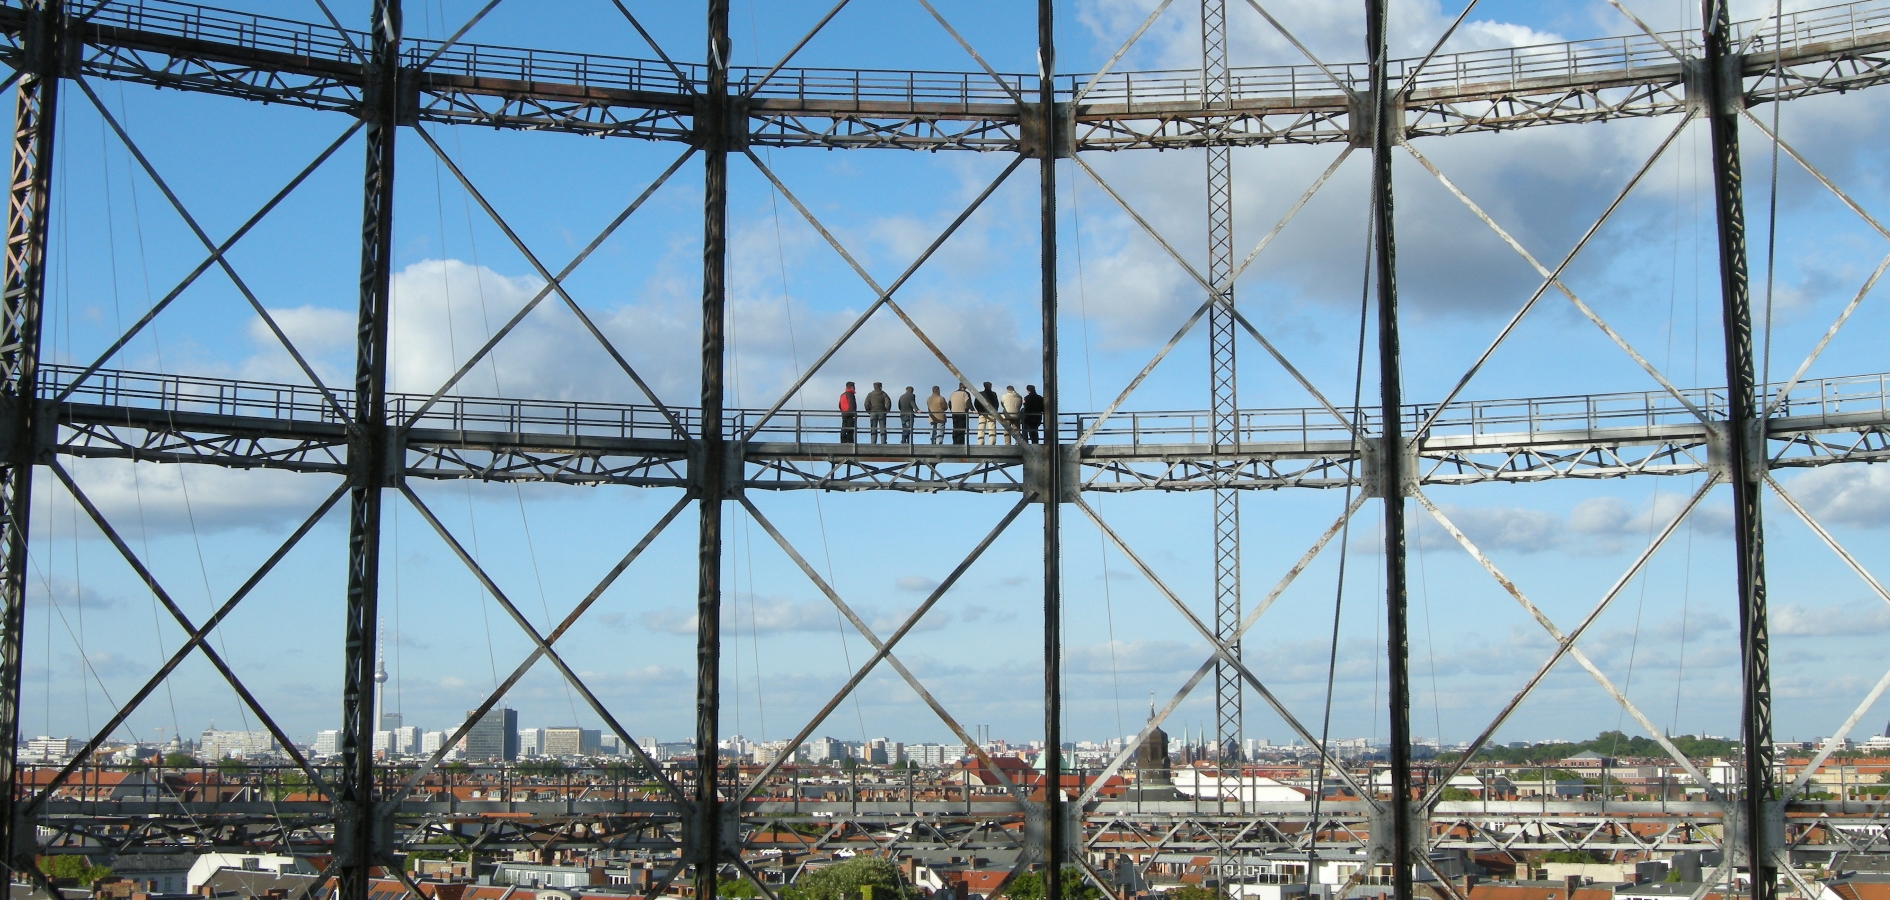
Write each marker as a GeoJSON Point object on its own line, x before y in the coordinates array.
{"type": "Point", "coordinates": [1453, 793]}
{"type": "Point", "coordinates": [230, 768]}
{"type": "Point", "coordinates": [1190, 892]}
{"type": "Point", "coordinates": [179, 761]}
{"type": "Point", "coordinates": [72, 867]}
{"type": "Point", "coordinates": [541, 768]}
{"type": "Point", "coordinates": [1029, 886]}
{"type": "Point", "coordinates": [1572, 856]}
{"type": "Point", "coordinates": [844, 881]}
{"type": "Point", "coordinates": [740, 888]}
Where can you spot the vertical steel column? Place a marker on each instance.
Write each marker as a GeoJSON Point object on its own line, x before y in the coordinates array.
{"type": "Point", "coordinates": [712, 464]}
{"type": "Point", "coordinates": [355, 844]}
{"type": "Point", "coordinates": [1724, 88]}
{"type": "Point", "coordinates": [23, 293]}
{"type": "Point", "coordinates": [1391, 460]}
{"type": "Point", "coordinates": [1053, 801]}
{"type": "Point", "coordinates": [1221, 384]}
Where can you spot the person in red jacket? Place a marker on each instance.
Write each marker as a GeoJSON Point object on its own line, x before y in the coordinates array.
{"type": "Point", "coordinates": [849, 415]}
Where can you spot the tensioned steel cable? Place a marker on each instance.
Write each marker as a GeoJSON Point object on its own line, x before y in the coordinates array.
{"type": "Point", "coordinates": [1345, 546]}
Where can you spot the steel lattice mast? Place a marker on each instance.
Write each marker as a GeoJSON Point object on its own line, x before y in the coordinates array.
{"type": "Point", "coordinates": [1222, 382]}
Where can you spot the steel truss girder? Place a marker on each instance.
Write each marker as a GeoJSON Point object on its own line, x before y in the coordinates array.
{"type": "Point", "coordinates": [575, 101]}
{"type": "Point", "coordinates": [133, 433]}
{"type": "Point", "coordinates": [1110, 826]}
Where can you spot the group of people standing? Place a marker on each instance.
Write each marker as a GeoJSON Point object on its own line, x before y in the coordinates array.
{"type": "Point", "coordinates": [999, 415]}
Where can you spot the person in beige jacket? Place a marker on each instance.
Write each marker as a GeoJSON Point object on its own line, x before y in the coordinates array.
{"type": "Point", "coordinates": [935, 407]}
{"type": "Point", "coordinates": [1012, 402]}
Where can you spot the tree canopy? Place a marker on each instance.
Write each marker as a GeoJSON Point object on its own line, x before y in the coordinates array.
{"type": "Point", "coordinates": [1029, 886]}
{"type": "Point", "coordinates": [844, 881]}
{"type": "Point", "coordinates": [1607, 743]}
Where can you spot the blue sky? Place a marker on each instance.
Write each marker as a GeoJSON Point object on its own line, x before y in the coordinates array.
{"type": "Point", "coordinates": [1670, 637]}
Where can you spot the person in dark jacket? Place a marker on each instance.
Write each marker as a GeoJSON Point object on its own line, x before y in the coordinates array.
{"type": "Point", "coordinates": [1033, 414]}
{"type": "Point", "coordinates": [849, 415]}
{"type": "Point", "coordinates": [908, 409]}
{"type": "Point", "coordinates": [877, 405]}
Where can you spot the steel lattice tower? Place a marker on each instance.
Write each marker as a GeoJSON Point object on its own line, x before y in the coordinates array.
{"type": "Point", "coordinates": [1222, 381]}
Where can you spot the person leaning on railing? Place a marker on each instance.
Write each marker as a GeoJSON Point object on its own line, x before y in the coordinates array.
{"type": "Point", "coordinates": [961, 413]}
{"type": "Point", "coordinates": [849, 415]}
{"type": "Point", "coordinates": [908, 408]}
{"type": "Point", "coordinates": [877, 405]}
{"type": "Point", "coordinates": [935, 407]}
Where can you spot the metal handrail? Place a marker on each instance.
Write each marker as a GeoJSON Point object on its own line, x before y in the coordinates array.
{"type": "Point", "coordinates": [1814, 29]}
{"type": "Point", "coordinates": [1812, 402]}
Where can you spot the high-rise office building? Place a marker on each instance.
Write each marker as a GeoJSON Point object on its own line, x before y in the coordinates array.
{"type": "Point", "coordinates": [563, 742]}
{"type": "Point", "coordinates": [494, 736]}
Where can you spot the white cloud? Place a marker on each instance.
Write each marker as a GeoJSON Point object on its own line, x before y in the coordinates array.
{"type": "Point", "coordinates": [1850, 495]}
{"type": "Point", "coordinates": [1597, 526]}
{"type": "Point", "coordinates": [168, 499]}
{"type": "Point", "coordinates": [1870, 616]}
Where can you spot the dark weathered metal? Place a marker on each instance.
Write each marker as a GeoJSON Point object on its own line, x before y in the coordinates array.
{"type": "Point", "coordinates": [1383, 109]}
{"type": "Point", "coordinates": [1053, 799]}
{"type": "Point", "coordinates": [22, 300]}
{"type": "Point", "coordinates": [355, 844]}
{"type": "Point", "coordinates": [711, 462]}
{"type": "Point", "coordinates": [1721, 96]}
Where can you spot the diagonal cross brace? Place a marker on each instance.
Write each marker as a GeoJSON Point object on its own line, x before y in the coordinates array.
{"type": "Point", "coordinates": [1214, 297]}
{"type": "Point", "coordinates": [1568, 641]}
{"type": "Point", "coordinates": [1128, 752]}
{"type": "Point", "coordinates": [882, 649]}
{"type": "Point", "coordinates": [1553, 278]}
{"type": "Point", "coordinates": [552, 284]}
{"type": "Point", "coordinates": [164, 597]}
{"type": "Point", "coordinates": [1117, 56]}
{"type": "Point", "coordinates": [792, 52]}
{"type": "Point", "coordinates": [884, 293]}
{"type": "Point", "coordinates": [1542, 619]}
{"type": "Point", "coordinates": [208, 261]}
{"type": "Point", "coordinates": [221, 260]}
{"type": "Point", "coordinates": [1782, 394]}
{"type": "Point", "coordinates": [966, 45]}
{"type": "Point", "coordinates": [197, 637]}
{"type": "Point", "coordinates": [1217, 296]}
{"type": "Point", "coordinates": [542, 646]}
{"type": "Point", "coordinates": [1831, 743]}
{"type": "Point", "coordinates": [1221, 650]}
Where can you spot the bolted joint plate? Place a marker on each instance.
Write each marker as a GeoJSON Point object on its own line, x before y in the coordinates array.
{"type": "Point", "coordinates": [1381, 832]}
{"type": "Point", "coordinates": [1772, 830]}
{"type": "Point", "coordinates": [1371, 478]}
{"type": "Point", "coordinates": [734, 460]}
{"type": "Point", "coordinates": [381, 845]}
{"type": "Point", "coordinates": [1719, 450]}
{"type": "Point", "coordinates": [727, 833]}
{"type": "Point", "coordinates": [1037, 476]}
{"type": "Point", "coordinates": [734, 123]}
{"type": "Point", "coordinates": [1037, 832]}
{"type": "Point", "coordinates": [1030, 130]}
{"type": "Point", "coordinates": [1731, 74]}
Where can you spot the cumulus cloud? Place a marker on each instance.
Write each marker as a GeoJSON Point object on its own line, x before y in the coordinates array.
{"type": "Point", "coordinates": [1598, 526]}
{"type": "Point", "coordinates": [1850, 495]}
{"type": "Point", "coordinates": [167, 499]}
{"type": "Point", "coordinates": [1870, 616]}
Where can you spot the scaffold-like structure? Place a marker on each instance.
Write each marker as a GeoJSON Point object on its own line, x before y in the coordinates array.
{"type": "Point", "coordinates": [713, 112]}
